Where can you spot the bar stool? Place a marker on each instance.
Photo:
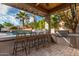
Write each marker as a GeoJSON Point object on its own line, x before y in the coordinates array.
{"type": "Point", "coordinates": [40, 40]}
{"type": "Point", "coordinates": [31, 42]}
{"type": "Point", "coordinates": [44, 37]}
{"type": "Point", "coordinates": [41, 37]}
{"type": "Point", "coordinates": [19, 44]}
{"type": "Point", "coordinates": [34, 37]}
{"type": "Point", "coordinates": [49, 38]}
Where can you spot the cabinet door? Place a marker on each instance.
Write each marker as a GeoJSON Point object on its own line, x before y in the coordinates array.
{"type": "Point", "coordinates": [77, 42]}
{"type": "Point", "coordinates": [63, 41]}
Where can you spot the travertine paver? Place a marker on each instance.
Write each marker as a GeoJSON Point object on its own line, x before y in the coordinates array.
{"type": "Point", "coordinates": [50, 50]}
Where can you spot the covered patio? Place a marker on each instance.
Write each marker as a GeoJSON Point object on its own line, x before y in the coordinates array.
{"type": "Point", "coordinates": [52, 43]}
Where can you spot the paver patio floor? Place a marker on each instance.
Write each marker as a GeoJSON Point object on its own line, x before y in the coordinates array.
{"type": "Point", "coordinates": [50, 50]}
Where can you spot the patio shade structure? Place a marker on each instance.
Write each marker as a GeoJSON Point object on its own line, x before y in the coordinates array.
{"type": "Point", "coordinates": [41, 9]}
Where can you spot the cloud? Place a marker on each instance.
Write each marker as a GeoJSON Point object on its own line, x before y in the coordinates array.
{"type": "Point", "coordinates": [5, 16]}
{"type": "Point", "coordinates": [8, 14]}
{"type": "Point", "coordinates": [13, 20]}
{"type": "Point", "coordinates": [31, 19]}
{"type": "Point", "coordinates": [3, 9]}
{"type": "Point", "coordinates": [9, 18]}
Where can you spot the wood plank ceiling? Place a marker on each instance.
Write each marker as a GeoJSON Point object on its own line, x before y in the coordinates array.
{"type": "Point", "coordinates": [39, 8]}
{"type": "Point", "coordinates": [45, 7]}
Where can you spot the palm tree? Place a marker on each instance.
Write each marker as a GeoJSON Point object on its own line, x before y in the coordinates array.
{"type": "Point", "coordinates": [55, 22]}
{"type": "Point", "coordinates": [37, 24]}
{"type": "Point", "coordinates": [41, 24]}
{"type": "Point", "coordinates": [22, 16]}
{"type": "Point", "coordinates": [34, 22]}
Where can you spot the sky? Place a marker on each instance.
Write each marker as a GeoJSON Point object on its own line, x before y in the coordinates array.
{"type": "Point", "coordinates": [8, 14]}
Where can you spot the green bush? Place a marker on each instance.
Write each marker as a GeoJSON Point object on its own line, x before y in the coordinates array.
{"type": "Point", "coordinates": [13, 28]}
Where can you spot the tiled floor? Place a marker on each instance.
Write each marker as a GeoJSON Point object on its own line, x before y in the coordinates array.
{"type": "Point", "coordinates": [56, 50]}
{"type": "Point", "coordinates": [50, 50]}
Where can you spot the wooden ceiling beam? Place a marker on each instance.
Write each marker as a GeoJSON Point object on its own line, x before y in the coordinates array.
{"type": "Point", "coordinates": [39, 7]}
{"type": "Point", "coordinates": [37, 4]}
{"type": "Point", "coordinates": [62, 6]}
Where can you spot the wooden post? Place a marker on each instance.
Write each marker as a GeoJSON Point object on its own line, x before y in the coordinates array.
{"type": "Point", "coordinates": [49, 27]}
{"type": "Point", "coordinates": [74, 15]}
{"type": "Point", "coordinates": [47, 18]}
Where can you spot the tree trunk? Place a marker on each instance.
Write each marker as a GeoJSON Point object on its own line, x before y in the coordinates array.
{"type": "Point", "coordinates": [23, 23]}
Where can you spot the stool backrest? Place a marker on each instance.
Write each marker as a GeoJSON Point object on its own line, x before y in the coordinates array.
{"type": "Point", "coordinates": [20, 36]}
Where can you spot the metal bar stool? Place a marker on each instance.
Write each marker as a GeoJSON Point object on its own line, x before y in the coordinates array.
{"type": "Point", "coordinates": [40, 39]}
{"type": "Point", "coordinates": [49, 38]}
{"type": "Point", "coordinates": [19, 44]}
{"type": "Point", "coordinates": [44, 37]}
{"type": "Point", "coordinates": [34, 37]}
{"type": "Point", "coordinates": [31, 42]}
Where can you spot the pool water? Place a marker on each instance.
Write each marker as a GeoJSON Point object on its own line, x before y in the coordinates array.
{"type": "Point", "coordinates": [19, 32]}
